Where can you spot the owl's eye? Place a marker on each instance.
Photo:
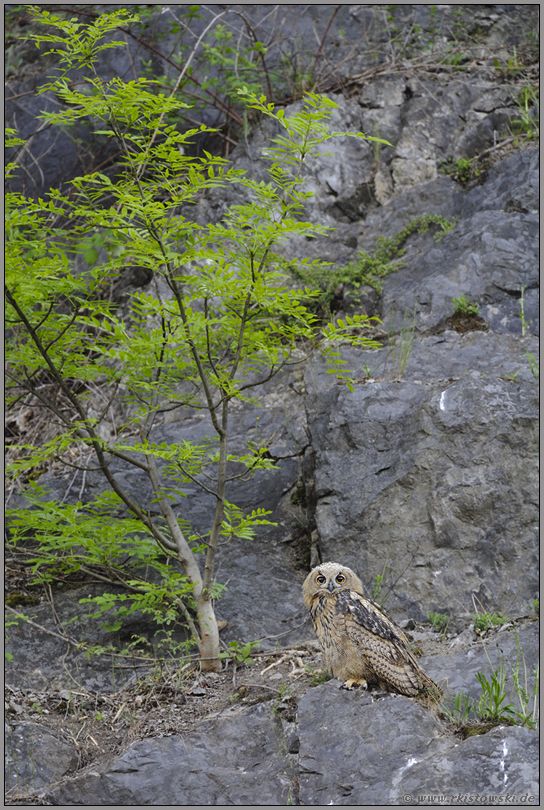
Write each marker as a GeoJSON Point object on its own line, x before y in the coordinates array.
{"type": "Point", "coordinates": [320, 579]}
{"type": "Point", "coordinates": [340, 578]}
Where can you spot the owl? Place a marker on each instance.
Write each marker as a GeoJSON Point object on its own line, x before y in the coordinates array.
{"type": "Point", "coordinates": [360, 643]}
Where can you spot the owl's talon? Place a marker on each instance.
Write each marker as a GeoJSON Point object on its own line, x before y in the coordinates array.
{"type": "Point", "coordinates": [349, 684]}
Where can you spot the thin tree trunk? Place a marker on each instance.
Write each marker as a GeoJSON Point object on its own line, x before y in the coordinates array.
{"type": "Point", "coordinates": [207, 623]}
{"type": "Point", "coordinates": [209, 634]}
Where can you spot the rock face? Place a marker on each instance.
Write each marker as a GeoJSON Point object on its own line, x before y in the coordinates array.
{"type": "Point", "coordinates": [441, 500]}
{"type": "Point", "coordinates": [492, 251]}
{"type": "Point", "coordinates": [360, 763]}
{"type": "Point", "coordinates": [423, 479]}
{"type": "Point", "coordinates": [35, 757]}
{"type": "Point", "coordinates": [247, 756]}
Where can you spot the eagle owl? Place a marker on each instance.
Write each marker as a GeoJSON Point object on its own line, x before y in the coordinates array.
{"type": "Point", "coordinates": [360, 643]}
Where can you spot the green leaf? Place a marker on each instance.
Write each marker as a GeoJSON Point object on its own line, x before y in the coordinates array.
{"type": "Point", "coordinates": [91, 255]}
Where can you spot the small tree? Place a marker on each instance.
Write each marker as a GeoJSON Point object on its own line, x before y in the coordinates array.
{"type": "Point", "coordinates": [227, 322]}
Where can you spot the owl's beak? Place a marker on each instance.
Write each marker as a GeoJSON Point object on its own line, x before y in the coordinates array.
{"type": "Point", "coordinates": [330, 586]}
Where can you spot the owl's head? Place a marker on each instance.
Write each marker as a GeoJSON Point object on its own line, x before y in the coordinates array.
{"type": "Point", "coordinates": [328, 579]}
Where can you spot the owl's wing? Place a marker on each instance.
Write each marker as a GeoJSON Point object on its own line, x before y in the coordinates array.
{"type": "Point", "coordinates": [366, 614]}
{"type": "Point", "coordinates": [383, 645]}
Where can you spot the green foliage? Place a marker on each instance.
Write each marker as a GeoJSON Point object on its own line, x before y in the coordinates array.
{"type": "Point", "coordinates": [237, 65]}
{"type": "Point", "coordinates": [527, 712]}
{"type": "Point", "coordinates": [285, 691]}
{"type": "Point", "coordinates": [528, 102]}
{"type": "Point", "coordinates": [458, 712]}
{"type": "Point", "coordinates": [463, 306]}
{"type": "Point", "coordinates": [512, 376]}
{"type": "Point", "coordinates": [439, 621]}
{"type": "Point", "coordinates": [535, 368]}
{"type": "Point", "coordinates": [492, 704]}
{"type": "Point", "coordinates": [510, 67]}
{"type": "Point", "coordinates": [524, 322]}
{"type": "Point", "coordinates": [377, 589]}
{"type": "Point", "coordinates": [317, 676]}
{"type": "Point", "coordinates": [463, 167]}
{"type": "Point", "coordinates": [219, 319]}
{"type": "Point", "coordinates": [485, 621]}
{"type": "Point", "coordinates": [498, 703]}
{"type": "Point", "coordinates": [535, 605]}
{"type": "Point", "coordinates": [369, 372]}
{"type": "Point", "coordinates": [240, 653]}
{"type": "Point", "coordinates": [95, 539]}
{"type": "Point", "coordinates": [367, 269]}
{"type": "Point", "coordinates": [455, 57]}
{"type": "Point", "coordinates": [399, 344]}
{"type": "Point", "coordinates": [462, 170]}
{"type": "Point", "coordinates": [228, 58]}
{"type": "Point", "coordinates": [379, 580]}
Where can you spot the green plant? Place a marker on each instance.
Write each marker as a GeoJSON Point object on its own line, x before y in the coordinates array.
{"type": "Point", "coordinates": [221, 322]}
{"type": "Point", "coordinates": [455, 57]}
{"type": "Point", "coordinates": [459, 713]}
{"type": "Point", "coordinates": [528, 123]}
{"type": "Point", "coordinates": [485, 621]}
{"type": "Point", "coordinates": [463, 167]}
{"type": "Point", "coordinates": [377, 589]}
{"type": "Point", "coordinates": [226, 56]}
{"type": "Point", "coordinates": [462, 170]}
{"type": "Point", "coordinates": [433, 26]}
{"type": "Point", "coordinates": [535, 368]}
{"type": "Point", "coordinates": [491, 705]}
{"type": "Point", "coordinates": [236, 65]}
{"type": "Point", "coordinates": [511, 67]}
{"type": "Point", "coordinates": [13, 60]}
{"type": "Point", "coordinates": [367, 269]}
{"type": "Point", "coordinates": [512, 376]}
{"type": "Point", "coordinates": [285, 691]}
{"type": "Point", "coordinates": [368, 371]}
{"type": "Point", "coordinates": [463, 306]}
{"type": "Point", "coordinates": [399, 343]}
{"type": "Point", "coordinates": [517, 705]}
{"type": "Point", "coordinates": [524, 322]}
{"type": "Point", "coordinates": [439, 621]}
{"type": "Point", "coordinates": [317, 676]}
{"type": "Point", "coordinates": [535, 605]}
{"type": "Point", "coordinates": [13, 622]}
{"type": "Point", "coordinates": [240, 653]}
{"type": "Point", "coordinates": [534, 44]}
{"type": "Point", "coordinates": [527, 695]}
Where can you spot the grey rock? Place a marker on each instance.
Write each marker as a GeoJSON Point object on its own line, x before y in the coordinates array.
{"type": "Point", "coordinates": [455, 669]}
{"type": "Point", "coordinates": [490, 253]}
{"type": "Point", "coordinates": [360, 763]}
{"type": "Point", "coordinates": [44, 660]}
{"type": "Point", "coordinates": [35, 757]}
{"type": "Point", "coordinates": [493, 769]}
{"type": "Point", "coordinates": [444, 496]}
{"type": "Point", "coordinates": [395, 751]}
{"type": "Point", "coordinates": [491, 256]}
{"type": "Point", "coordinates": [343, 748]}
{"type": "Point", "coordinates": [230, 762]}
